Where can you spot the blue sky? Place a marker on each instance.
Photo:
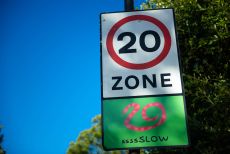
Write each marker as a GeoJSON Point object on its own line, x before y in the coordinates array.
{"type": "Point", "coordinates": [49, 71]}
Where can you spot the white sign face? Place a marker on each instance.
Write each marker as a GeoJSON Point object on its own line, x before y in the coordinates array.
{"type": "Point", "coordinates": [139, 54]}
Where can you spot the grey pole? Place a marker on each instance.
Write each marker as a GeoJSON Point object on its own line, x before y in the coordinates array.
{"type": "Point", "coordinates": [136, 151]}
{"type": "Point", "coordinates": [129, 5]}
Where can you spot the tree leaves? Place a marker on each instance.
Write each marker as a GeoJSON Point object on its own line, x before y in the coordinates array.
{"type": "Point", "coordinates": [1, 140]}
{"type": "Point", "coordinates": [203, 31]}
{"type": "Point", "coordinates": [89, 141]}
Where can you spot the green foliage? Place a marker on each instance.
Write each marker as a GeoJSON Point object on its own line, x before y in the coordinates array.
{"type": "Point", "coordinates": [89, 141]}
{"type": "Point", "coordinates": [203, 35]}
{"type": "Point", "coordinates": [86, 138]}
{"type": "Point", "coordinates": [203, 32]}
{"type": "Point", "coordinates": [1, 140]}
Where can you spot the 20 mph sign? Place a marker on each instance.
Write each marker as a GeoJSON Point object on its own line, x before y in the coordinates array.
{"type": "Point", "coordinates": [139, 54]}
{"type": "Point", "coordinates": [140, 70]}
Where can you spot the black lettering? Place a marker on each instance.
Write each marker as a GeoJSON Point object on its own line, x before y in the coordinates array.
{"type": "Point", "coordinates": [157, 41]}
{"type": "Point", "coordinates": [126, 48]}
{"type": "Point", "coordinates": [146, 139]}
{"type": "Point", "coordinates": [152, 82]}
{"type": "Point", "coordinates": [131, 140]}
{"type": "Point", "coordinates": [163, 138]}
{"type": "Point", "coordinates": [115, 86]}
{"type": "Point", "coordinates": [127, 82]}
{"type": "Point", "coordinates": [142, 139]}
{"type": "Point", "coordinates": [163, 80]}
{"type": "Point", "coordinates": [154, 139]}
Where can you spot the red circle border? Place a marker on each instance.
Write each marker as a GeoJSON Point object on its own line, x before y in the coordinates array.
{"type": "Point", "coordinates": [152, 63]}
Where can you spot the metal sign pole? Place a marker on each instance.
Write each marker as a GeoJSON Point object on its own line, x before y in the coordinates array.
{"type": "Point", "coordinates": [136, 151]}
{"type": "Point", "coordinates": [129, 6]}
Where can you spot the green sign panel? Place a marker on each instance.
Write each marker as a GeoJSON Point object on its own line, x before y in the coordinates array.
{"type": "Point", "coordinates": [144, 122]}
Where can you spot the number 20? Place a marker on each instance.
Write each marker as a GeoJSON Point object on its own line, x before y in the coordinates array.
{"type": "Point", "coordinates": [126, 48]}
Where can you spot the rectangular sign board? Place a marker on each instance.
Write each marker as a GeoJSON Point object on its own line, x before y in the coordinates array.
{"type": "Point", "coordinates": [142, 93]}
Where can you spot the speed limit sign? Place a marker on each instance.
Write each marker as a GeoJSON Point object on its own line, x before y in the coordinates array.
{"type": "Point", "coordinates": [139, 54]}
{"type": "Point", "coordinates": [139, 69]}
